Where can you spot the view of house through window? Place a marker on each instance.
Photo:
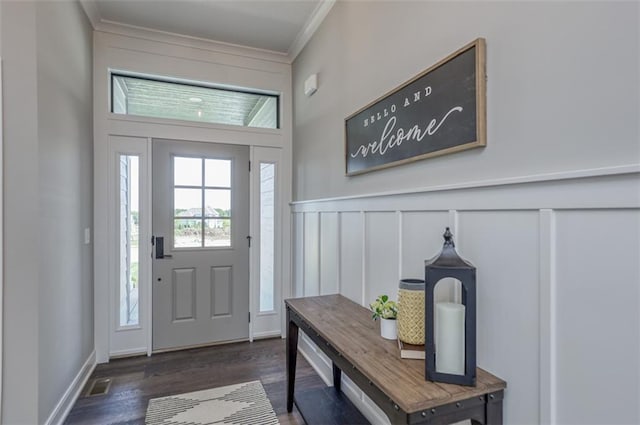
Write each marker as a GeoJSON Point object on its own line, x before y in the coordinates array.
{"type": "Point", "coordinates": [267, 232]}
{"type": "Point", "coordinates": [202, 202]}
{"type": "Point", "coordinates": [163, 99]}
{"type": "Point", "coordinates": [129, 238]}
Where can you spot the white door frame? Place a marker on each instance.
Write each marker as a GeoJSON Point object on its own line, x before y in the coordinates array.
{"type": "Point", "coordinates": [127, 340]}
{"type": "Point", "coordinates": [147, 53]}
{"type": "Point", "coordinates": [1, 230]}
{"type": "Point", "coordinates": [132, 340]}
{"type": "Point", "coordinates": [266, 324]}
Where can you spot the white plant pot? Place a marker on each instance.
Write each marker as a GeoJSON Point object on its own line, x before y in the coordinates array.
{"type": "Point", "coordinates": [389, 328]}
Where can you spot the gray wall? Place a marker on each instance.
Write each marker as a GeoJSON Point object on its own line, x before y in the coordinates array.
{"type": "Point", "coordinates": [20, 320]}
{"type": "Point", "coordinates": [48, 300]}
{"type": "Point", "coordinates": [65, 130]}
{"type": "Point", "coordinates": [562, 89]}
{"type": "Point", "coordinates": [563, 96]}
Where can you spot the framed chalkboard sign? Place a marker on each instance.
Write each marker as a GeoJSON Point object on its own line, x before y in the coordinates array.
{"type": "Point", "coordinates": [440, 111]}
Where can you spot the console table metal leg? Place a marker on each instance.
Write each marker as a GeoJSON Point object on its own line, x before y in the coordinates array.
{"type": "Point", "coordinates": [292, 355]}
{"type": "Point", "coordinates": [337, 378]}
{"type": "Point", "coordinates": [494, 408]}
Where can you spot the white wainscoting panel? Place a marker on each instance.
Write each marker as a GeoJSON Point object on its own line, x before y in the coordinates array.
{"type": "Point", "coordinates": [351, 255]}
{"type": "Point", "coordinates": [558, 273]}
{"type": "Point", "coordinates": [329, 253]}
{"type": "Point", "coordinates": [381, 255]}
{"type": "Point", "coordinates": [598, 317]}
{"type": "Point", "coordinates": [503, 246]}
{"type": "Point", "coordinates": [548, 310]}
{"type": "Point", "coordinates": [421, 239]}
{"type": "Point", "coordinates": [311, 254]}
{"type": "Point", "coordinates": [298, 253]}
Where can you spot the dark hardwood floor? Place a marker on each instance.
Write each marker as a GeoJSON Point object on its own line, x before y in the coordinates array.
{"type": "Point", "coordinates": [136, 380]}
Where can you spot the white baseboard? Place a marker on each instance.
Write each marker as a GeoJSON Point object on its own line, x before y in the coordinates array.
{"type": "Point", "coordinates": [317, 363]}
{"type": "Point", "coordinates": [68, 399]}
{"type": "Point", "coordinates": [373, 414]}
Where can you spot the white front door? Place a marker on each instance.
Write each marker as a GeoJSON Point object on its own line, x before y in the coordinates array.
{"type": "Point", "coordinates": [201, 249]}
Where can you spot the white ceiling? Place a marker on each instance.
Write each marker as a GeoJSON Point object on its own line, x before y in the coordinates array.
{"type": "Point", "coordinates": [276, 25]}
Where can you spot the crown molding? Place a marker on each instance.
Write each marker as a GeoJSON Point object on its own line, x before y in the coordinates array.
{"type": "Point", "coordinates": [144, 33]}
{"type": "Point", "coordinates": [91, 10]}
{"type": "Point", "coordinates": [309, 28]}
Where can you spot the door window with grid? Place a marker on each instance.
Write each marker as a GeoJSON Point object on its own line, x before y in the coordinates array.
{"type": "Point", "coordinates": [202, 202]}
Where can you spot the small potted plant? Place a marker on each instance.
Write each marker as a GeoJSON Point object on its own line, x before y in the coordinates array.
{"type": "Point", "coordinates": [387, 311]}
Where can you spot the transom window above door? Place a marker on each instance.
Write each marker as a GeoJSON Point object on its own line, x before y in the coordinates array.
{"type": "Point", "coordinates": [201, 202]}
{"type": "Point", "coordinates": [155, 98]}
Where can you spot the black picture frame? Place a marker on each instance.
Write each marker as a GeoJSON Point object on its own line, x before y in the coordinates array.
{"type": "Point", "coordinates": [440, 111]}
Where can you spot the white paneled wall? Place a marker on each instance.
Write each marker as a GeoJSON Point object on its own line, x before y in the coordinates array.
{"type": "Point", "coordinates": [298, 249]}
{"type": "Point", "coordinates": [329, 253]}
{"type": "Point", "coordinates": [351, 255]}
{"type": "Point", "coordinates": [558, 282]}
{"type": "Point", "coordinates": [503, 245]}
{"type": "Point", "coordinates": [421, 234]}
{"type": "Point", "coordinates": [311, 254]}
{"type": "Point", "coordinates": [597, 320]}
{"type": "Point", "coordinates": [381, 254]}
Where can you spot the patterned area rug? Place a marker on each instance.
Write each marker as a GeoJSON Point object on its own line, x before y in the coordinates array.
{"type": "Point", "coordinates": [235, 404]}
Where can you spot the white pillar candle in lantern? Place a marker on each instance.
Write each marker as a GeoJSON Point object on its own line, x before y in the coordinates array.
{"type": "Point", "coordinates": [450, 338]}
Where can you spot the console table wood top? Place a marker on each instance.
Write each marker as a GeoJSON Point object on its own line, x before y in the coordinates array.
{"type": "Point", "coordinates": [348, 329]}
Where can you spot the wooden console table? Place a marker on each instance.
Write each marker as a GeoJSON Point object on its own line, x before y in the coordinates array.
{"type": "Point", "coordinates": [344, 331]}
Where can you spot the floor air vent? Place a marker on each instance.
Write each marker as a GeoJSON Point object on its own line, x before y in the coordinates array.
{"type": "Point", "coordinates": [99, 386]}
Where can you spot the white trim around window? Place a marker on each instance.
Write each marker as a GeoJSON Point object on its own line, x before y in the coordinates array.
{"type": "Point", "coordinates": [266, 323]}
{"type": "Point", "coordinates": [132, 339]}
{"type": "Point", "coordinates": [157, 57]}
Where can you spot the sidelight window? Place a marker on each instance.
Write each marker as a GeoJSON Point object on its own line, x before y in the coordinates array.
{"type": "Point", "coordinates": [267, 232]}
{"type": "Point", "coordinates": [129, 224]}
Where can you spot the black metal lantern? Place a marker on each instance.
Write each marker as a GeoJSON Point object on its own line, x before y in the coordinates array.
{"type": "Point", "coordinates": [452, 358]}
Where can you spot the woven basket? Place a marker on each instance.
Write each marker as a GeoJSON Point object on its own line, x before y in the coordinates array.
{"type": "Point", "coordinates": [411, 311]}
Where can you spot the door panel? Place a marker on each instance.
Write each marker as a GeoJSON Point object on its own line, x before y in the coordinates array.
{"type": "Point", "coordinates": [221, 291]}
{"type": "Point", "coordinates": [184, 294]}
{"type": "Point", "coordinates": [201, 212]}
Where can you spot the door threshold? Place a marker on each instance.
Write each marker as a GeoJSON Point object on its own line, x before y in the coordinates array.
{"type": "Point", "coordinates": [206, 344]}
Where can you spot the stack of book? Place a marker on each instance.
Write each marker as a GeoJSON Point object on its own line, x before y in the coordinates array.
{"type": "Point", "coordinates": [410, 351]}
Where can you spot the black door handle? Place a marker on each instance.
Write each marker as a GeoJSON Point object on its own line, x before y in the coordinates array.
{"type": "Point", "coordinates": [159, 247]}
